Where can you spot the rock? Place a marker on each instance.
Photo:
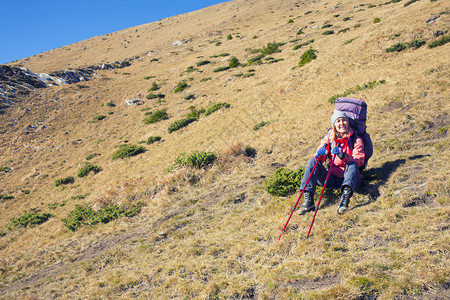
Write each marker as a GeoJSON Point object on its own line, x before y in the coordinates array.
{"type": "Point", "coordinates": [15, 81]}
{"type": "Point", "coordinates": [432, 20]}
{"type": "Point", "coordinates": [439, 33]}
{"type": "Point", "coordinates": [177, 43]}
{"type": "Point", "coordinates": [133, 101]}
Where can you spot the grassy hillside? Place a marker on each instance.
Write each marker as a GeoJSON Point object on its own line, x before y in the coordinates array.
{"type": "Point", "coordinates": [156, 225]}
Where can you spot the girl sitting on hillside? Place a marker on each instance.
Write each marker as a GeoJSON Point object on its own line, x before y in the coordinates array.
{"type": "Point", "coordinates": [345, 169]}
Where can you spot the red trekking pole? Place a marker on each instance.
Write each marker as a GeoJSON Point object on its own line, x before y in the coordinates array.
{"type": "Point", "coordinates": [321, 194]}
{"type": "Point", "coordinates": [301, 194]}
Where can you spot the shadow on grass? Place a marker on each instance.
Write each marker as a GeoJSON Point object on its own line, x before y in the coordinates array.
{"type": "Point", "coordinates": [380, 176]}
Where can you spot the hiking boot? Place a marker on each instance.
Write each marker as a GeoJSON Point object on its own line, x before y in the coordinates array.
{"type": "Point", "coordinates": [308, 204]}
{"type": "Point", "coordinates": [345, 199]}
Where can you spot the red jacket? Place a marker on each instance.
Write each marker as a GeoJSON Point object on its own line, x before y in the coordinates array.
{"type": "Point", "coordinates": [356, 154]}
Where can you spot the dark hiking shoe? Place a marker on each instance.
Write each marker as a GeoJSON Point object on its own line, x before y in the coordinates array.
{"type": "Point", "coordinates": [308, 204]}
{"type": "Point", "coordinates": [345, 199]}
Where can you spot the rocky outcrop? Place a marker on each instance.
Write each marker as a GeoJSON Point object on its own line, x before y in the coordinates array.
{"type": "Point", "coordinates": [15, 81]}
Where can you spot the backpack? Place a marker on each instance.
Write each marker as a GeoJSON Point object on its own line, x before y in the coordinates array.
{"type": "Point", "coordinates": [356, 111]}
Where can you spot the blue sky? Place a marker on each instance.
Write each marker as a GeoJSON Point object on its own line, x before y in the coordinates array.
{"type": "Point", "coordinates": [29, 27]}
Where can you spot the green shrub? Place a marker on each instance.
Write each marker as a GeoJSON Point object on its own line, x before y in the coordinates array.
{"type": "Point", "coordinates": [402, 46]}
{"type": "Point", "coordinates": [303, 44]}
{"type": "Point", "coordinates": [180, 124]}
{"type": "Point", "coordinates": [394, 35]}
{"type": "Point", "coordinates": [203, 62]}
{"type": "Point", "coordinates": [157, 116]}
{"type": "Point", "coordinates": [271, 60]}
{"type": "Point", "coordinates": [182, 85]}
{"type": "Point", "coordinates": [343, 30]}
{"type": "Point", "coordinates": [154, 87]}
{"type": "Point", "coordinates": [128, 150]}
{"type": "Point", "coordinates": [409, 3]}
{"type": "Point", "coordinates": [256, 60]}
{"type": "Point", "coordinates": [85, 215]}
{"type": "Point", "coordinates": [307, 57]}
{"type": "Point", "coordinates": [248, 75]}
{"type": "Point", "coordinates": [191, 69]}
{"type": "Point", "coordinates": [153, 139]}
{"type": "Point", "coordinates": [54, 205]}
{"type": "Point", "coordinates": [155, 96]}
{"type": "Point", "coordinates": [439, 42]}
{"type": "Point", "coordinates": [397, 47]}
{"type": "Point", "coordinates": [259, 125]}
{"type": "Point", "coordinates": [99, 118]}
{"type": "Point", "coordinates": [346, 19]}
{"type": "Point", "coordinates": [284, 182]}
{"type": "Point", "coordinates": [416, 44]}
{"type": "Point", "coordinates": [189, 97]}
{"type": "Point", "coordinates": [216, 107]}
{"type": "Point", "coordinates": [234, 62]}
{"type": "Point", "coordinates": [220, 69]}
{"type": "Point", "coordinates": [290, 21]}
{"type": "Point", "coordinates": [300, 31]}
{"type": "Point", "coordinates": [194, 112]}
{"type": "Point", "coordinates": [110, 104]}
{"type": "Point", "coordinates": [78, 197]}
{"type": "Point", "coordinates": [78, 217]}
{"type": "Point", "coordinates": [84, 171]}
{"type": "Point", "coordinates": [6, 197]}
{"type": "Point", "coordinates": [327, 26]}
{"type": "Point", "coordinates": [229, 37]}
{"type": "Point", "coordinates": [91, 156]}
{"type": "Point", "coordinates": [62, 181]}
{"type": "Point", "coordinates": [195, 159]}
{"type": "Point", "coordinates": [376, 20]}
{"type": "Point", "coordinates": [270, 48]}
{"type": "Point", "coordinates": [366, 86]}
{"type": "Point", "coordinates": [205, 79]}
{"type": "Point", "coordinates": [328, 32]}
{"type": "Point", "coordinates": [33, 217]}
{"type": "Point", "coordinates": [349, 41]}
{"type": "Point", "coordinates": [5, 169]}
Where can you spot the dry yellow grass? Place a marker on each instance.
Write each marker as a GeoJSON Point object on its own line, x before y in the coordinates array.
{"type": "Point", "coordinates": [212, 233]}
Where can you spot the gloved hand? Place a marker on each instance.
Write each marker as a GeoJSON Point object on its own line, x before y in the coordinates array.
{"type": "Point", "coordinates": [321, 152]}
{"type": "Point", "coordinates": [338, 151]}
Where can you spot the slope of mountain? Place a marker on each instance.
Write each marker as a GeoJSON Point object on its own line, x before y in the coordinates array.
{"type": "Point", "coordinates": [211, 232]}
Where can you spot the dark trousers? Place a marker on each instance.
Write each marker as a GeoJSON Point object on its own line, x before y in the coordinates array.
{"type": "Point", "coordinates": [351, 178]}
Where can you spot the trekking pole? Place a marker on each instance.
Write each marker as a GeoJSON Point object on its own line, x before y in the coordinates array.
{"type": "Point", "coordinates": [301, 194]}
{"type": "Point", "coordinates": [321, 194]}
